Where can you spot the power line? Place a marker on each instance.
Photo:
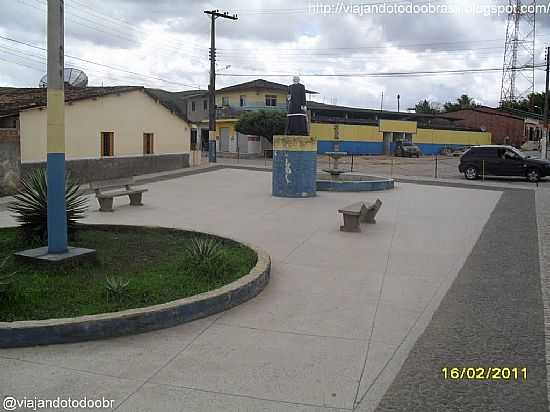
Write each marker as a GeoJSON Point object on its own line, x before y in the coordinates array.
{"type": "Point", "coordinates": [100, 64]}
{"type": "Point", "coordinates": [448, 56]}
{"type": "Point", "coordinates": [103, 16]}
{"type": "Point", "coordinates": [22, 64]}
{"type": "Point", "coordinates": [311, 8]}
{"type": "Point", "coordinates": [98, 72]}
{"type": "Point", "coordinates": [380, 74]}
{"type": "Point", "coordinates": [99, 26]}
{"type": "Point", "coordinates": [399, 45]}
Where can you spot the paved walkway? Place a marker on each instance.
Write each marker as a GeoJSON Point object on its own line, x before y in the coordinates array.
{"type": "Point", "coordinates": [330, 332]}
{"type": "Point", "coordinates": [543, 223]}
{"type": "Point", "coordinates": [492, 316]}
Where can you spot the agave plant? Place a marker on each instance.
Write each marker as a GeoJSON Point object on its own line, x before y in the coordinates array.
{"type": "Point", "coordinates": [116, 287]}
{"type": "Point", "coordinates": [203, 249]}
{"type": "Point", "coordinates": [6, 279]}
{"type": "Point", "coordinates": [30, 205]}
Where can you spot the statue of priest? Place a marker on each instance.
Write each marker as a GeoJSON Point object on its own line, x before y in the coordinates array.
{"type": "Point", "coordinates": [296, 121]}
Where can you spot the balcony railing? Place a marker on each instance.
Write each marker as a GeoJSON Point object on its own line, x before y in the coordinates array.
{"type": "Point", "coordinates": [226, 112]}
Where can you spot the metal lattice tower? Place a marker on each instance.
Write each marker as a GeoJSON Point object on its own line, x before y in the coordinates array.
{"type": "Point", "coordinates": [518, 70]}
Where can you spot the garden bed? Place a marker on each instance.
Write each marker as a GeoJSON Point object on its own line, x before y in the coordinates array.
{"type": "Point", "coordinates": [154, 262]}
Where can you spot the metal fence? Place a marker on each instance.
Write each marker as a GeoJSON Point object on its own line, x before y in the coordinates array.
{"type": "Point", "coordinates": [436, 166]}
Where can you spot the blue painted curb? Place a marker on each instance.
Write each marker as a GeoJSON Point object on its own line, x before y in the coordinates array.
{"type": "Point", "coordinates": [133, 321]}
{"type": "Point", "coordinates": [355, 186]}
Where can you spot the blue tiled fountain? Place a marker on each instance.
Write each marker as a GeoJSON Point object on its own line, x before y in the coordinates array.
{"type": "Point", "coordinates": [334, 179]}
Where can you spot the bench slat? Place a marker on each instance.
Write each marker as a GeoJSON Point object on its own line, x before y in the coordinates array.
{"type": "Point", "coordinates": [120, 193]}
{"type": "Point", "coordinates": [354, 208]}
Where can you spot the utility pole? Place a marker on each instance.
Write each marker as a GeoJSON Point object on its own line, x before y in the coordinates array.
{"type": "Point", "coordinates": [57, 213]}
{"type": "Point", "coordinates": [382, 101]}
{"type": "Point", "coordinates": [398, 99]}
{"type": "Point", "coordinates": [544, 143]}
{"type": "Point", "coordinates": [214, 14]}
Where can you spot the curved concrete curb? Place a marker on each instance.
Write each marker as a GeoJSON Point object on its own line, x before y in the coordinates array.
{"type": "Point", "coordinates": [133, 321]}
{"type": "Point", "coordinates": [355, 185]}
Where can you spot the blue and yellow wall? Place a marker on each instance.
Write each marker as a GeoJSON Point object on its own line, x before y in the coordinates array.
{"type": "Point", "coordinates": [369, 139]}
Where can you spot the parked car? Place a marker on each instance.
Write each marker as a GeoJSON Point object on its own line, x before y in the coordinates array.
{"type": "Point", "coordinates": [407, 149]}
{"type": "Point", "coordinates": [496, 160]}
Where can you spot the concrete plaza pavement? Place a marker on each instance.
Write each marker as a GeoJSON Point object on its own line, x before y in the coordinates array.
{"type": "Point", "coordinates": [332, 328]}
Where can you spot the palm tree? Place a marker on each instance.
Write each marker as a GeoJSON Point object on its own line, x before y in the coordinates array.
{"type": "Point", "coordinates": [425, 106]}
{"type": "Point", "coordinates": [463, 102]}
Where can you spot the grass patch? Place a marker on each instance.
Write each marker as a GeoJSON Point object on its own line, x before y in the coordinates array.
{"type": "Point", "coordinates": [155, 262]}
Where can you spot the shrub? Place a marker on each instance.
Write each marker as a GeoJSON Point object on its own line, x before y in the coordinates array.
{"type": "Point", "coordinates": [6, 279]}
{"type": "Point", "coordinates": [30, 206]}
{"type": "Point", "coordinates": [117, 288]}
{"type": "Point", "coordinates": [203, 249]}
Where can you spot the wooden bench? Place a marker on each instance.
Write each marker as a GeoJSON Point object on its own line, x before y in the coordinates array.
{"type": "Point", "coordinates": [106, 191]}
{"type": "Point", "coordinates": [357, 213]}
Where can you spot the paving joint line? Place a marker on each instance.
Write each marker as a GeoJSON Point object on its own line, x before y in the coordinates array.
{"type": "Point", "coordinates": [411, 329]}
{"type": "Point", "coordinates": [168, 362]}
{"type": "Point", "coordinates": [394, 231]}
{"type": "Point", "coordinates": [169, 385]}
{"type": "Point", "coordinates": [83, 371]}
{"type": "Point", "coordinates": [312, 335]}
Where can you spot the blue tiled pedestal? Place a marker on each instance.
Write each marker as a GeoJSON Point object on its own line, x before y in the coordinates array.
{"type": "Point", "coordinates": [294, 166]}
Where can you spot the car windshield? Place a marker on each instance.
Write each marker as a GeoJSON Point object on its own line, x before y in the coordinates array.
{"type": "Point", "coordinates": [519, 153]}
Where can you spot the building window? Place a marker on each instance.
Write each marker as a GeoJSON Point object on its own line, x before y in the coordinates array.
{"type": "Point", "coordinates": [148, 143]}
{"type": "Point", "coordinates": [107, 144]}
{"type": "Point", "coordinates": [270, 100]}
{"type": "Point", "coordinates": [193, 108]}
{"type": "Point", "coordinates": [225, 100]}
{"type": "Point", "coordinates": [205, 104]}
{"type": "Point", "coordinates": [242, 101]}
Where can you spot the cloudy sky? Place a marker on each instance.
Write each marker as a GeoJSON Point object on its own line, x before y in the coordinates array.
{"type": "Point", "coordinates": [164, 44]}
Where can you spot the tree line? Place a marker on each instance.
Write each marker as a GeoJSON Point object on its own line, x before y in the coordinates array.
{"type": "Point", "coordinates": [533, 103]}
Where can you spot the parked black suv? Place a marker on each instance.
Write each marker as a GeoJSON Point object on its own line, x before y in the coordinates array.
{"type": "Point", "coordinates": [492, 160]}
{"type": "Point", "coordinates": [406, 149]}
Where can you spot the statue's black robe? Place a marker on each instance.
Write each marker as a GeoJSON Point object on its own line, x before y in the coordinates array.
{"type": "Point", "coordinates": [296, 125]}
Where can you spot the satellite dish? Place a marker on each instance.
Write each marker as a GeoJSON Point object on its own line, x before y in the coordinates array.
{"type": "Point", "coordinates": [73, 78]}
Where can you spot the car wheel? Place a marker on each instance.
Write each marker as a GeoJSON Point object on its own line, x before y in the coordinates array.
{"type": "Point", "coordinates": [417, 155]}
{"type": "Point", "coordinates": [471, 173]}
{"type": "Point", "coordinates": [533, 175]}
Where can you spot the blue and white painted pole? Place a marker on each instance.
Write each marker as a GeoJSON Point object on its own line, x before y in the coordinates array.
{"type": "Point", "coordinates": [57, 213]}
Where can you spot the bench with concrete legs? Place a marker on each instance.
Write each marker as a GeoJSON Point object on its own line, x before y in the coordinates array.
{"type": "Point", "coordinates": [357, 213]}
{"type": "Point", "coordinates": [106, 191]}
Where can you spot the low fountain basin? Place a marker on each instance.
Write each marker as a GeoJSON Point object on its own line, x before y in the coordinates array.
{"type": "Point", "coordinates": [353, 182]}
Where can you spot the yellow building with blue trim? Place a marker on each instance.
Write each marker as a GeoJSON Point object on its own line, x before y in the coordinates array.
{"type": "Point", "coordinates": [375, 132]}
{"type": "Point", "coordinates": [360, 131]}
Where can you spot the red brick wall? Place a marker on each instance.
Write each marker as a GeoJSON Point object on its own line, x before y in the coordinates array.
{"type": "Point", "coordinates": [500, 126]}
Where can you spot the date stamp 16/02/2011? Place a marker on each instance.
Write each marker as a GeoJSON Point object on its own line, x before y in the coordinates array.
{"type": "Point", "coordinates": [490, 373]}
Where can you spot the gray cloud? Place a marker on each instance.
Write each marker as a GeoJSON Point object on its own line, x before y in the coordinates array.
{"type": "Point", "coordinates": [170, 39]}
